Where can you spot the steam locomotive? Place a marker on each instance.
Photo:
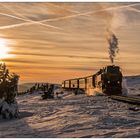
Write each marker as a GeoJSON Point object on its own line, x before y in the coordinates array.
{"type": "Point", "coordinates": [108, 80]}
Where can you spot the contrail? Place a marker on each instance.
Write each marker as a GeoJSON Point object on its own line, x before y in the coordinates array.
{"type": "Point", "coordinates": [90, 12]}
{"type": "Point", "coordinates": [29, 21]}
{"type": "Point", "coordinates": [72, 16]}
{"type": "Point", "coordinates": [26, 19]}
{"type": "Point", "coordinates": [134, 9]}
{"type": "Point", "coordinates": [60, 7]}
{"type": "Point", "coordinates": [15, 25]}
{"type": "Point", "coordinates": [12, 16]}
{"type": "Point", "coordinates": [69, 10]}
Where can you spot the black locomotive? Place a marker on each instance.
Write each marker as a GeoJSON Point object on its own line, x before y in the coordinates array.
{"type": "Point", "coordinates": [108, 80]}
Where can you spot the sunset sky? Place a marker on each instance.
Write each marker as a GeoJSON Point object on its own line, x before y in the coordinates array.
{"type": "Point", "coordinates": [51, 42]}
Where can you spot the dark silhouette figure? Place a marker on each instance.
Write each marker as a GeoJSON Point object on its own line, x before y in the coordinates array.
{"type": "Point", "coordinates": [50, 93]}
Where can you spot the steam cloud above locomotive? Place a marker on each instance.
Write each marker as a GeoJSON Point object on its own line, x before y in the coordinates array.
{"type": "Point", "coordinates": [113, 46]}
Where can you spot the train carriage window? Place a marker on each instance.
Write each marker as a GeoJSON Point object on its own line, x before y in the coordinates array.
{"type": "Point", "coordinates": [67, 84]}
{"type": "Point", "coordinates": [62, 84]}
{"type": "Point", "coordinates": [82, 83]}
{"type": "Point", "coordinates": [89, 82]}
{"type": "Point", "coordinates": [74, 83]}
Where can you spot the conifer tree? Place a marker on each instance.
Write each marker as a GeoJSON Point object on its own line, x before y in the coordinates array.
{"type": "Point", "coordinates": [8, 91]}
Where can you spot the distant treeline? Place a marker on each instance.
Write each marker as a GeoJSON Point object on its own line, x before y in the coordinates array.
{"type": "Point", "coordinates": [37, 87]}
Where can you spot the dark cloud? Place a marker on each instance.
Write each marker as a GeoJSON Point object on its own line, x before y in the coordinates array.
{"type": "Point", "coordinates": [54, 68]}
{"type": "Point", "coordinates": [7, 60]}
{"type": "Point", "coordinates": [58, 55]}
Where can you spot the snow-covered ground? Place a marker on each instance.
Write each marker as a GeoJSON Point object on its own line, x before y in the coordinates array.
{"type": "Point", "coordinates": [133, 85]}
{"type": "Point", "coordinates": [74, 116]}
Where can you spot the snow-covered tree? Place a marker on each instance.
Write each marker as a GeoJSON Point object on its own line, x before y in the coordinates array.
{"type": "Point", "coordinates": [8, 91]}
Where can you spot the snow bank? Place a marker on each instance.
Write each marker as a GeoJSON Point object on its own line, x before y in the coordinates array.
{"type": "Point", "coordinates": [8, 110]}
{"type": "Point", "coordinates": [131, 85]}
{"type": "Point", "coordinates": [73, 116]}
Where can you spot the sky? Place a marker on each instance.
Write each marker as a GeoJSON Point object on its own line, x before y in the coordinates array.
{"type": "Point", "coordinates": [52, 42]}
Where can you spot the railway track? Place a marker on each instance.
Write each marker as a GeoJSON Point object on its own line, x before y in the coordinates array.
{"type": "Point", "coordinates": [126, 99]}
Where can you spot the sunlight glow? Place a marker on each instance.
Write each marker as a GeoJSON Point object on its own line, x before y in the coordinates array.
{"type": "Point", "coordinates": [4, 49]}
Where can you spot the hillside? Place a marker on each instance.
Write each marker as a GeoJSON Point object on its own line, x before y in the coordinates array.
{"type": "Point", "coordinates": [133, 85]}
{"type": "Point", "coordinates": [25, 86]}
{"type": "Point", "coordinates": [75, 116]}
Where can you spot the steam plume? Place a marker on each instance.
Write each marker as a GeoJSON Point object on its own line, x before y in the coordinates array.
{"type": "Point", "coordinates": [115, 19]}
{"type": "Point", "coordinates": [113, 46]}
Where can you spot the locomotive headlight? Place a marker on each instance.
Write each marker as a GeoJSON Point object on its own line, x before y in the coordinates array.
{"type": "Point", "coordinates": [108, 81]}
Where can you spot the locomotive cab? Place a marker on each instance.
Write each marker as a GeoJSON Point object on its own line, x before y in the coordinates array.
{"type": "Point", "coordinates": [112, 80]}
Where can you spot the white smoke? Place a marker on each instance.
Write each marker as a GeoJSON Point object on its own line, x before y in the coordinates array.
{"type": "Point", "coordinates": [118, 20]}
{"type": "Point", "coordinates": [125, 89]}
{"type": "Point", "coordinates": [115, 19]}
{"type": "Point", "coordinates": [94, 92]}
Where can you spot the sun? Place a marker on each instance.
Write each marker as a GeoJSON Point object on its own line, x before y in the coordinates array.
{"type": "Point", "coordinates": [4, 49]}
